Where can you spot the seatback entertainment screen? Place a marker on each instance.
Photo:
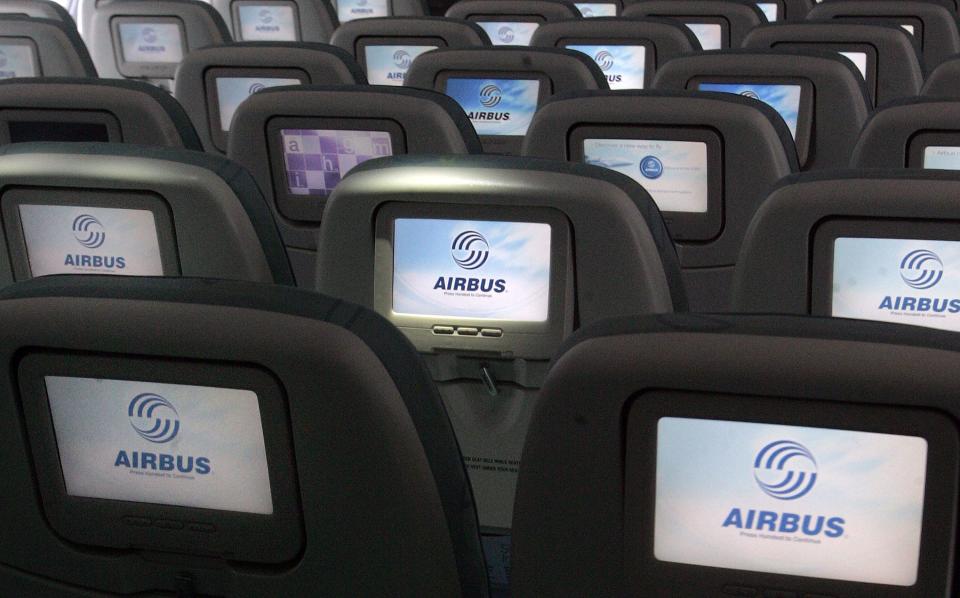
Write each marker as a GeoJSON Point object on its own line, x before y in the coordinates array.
{"type": "Point", "coordinates": [504, 33]}
{"type": "Point", "coordinates": [151, 42]}
{"type": "Point", "coordinates": [388, 65]}
{"type": "Point", "coordinates": [814, 502]}
{"type": "Point", "coordinates": [316, 159]}
{"type": "Point", "coordinates": [472, 269]}
{"type": "Point", "coordinates": [785, 99]}
{"type": "Point", "coordinates": [496, 106]}
{"type": "Point", "coordinates": [623, 66]}
{"type": "Point", "coordinates": [168, 444]}
{"type": "Point", "coordinates": [267, 23]}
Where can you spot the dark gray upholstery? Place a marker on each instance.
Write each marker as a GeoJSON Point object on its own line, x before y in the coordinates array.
{"type": "Point", "coordinates": [623, 263]}
{"type": "Point", "coordinates": [59, 51]}
{"type": "Point", "coordinates": [743, 127]}
{"type": "Point", "coordinates": [664, 39]}
{"type": "Point", "coordinates": [840, 101]}
{"type": "Point", "coordinates": [899, 73]}
{"type": "Point", "coordinates": [939, 37]}
{"type": "Point", "coordinates": [221, 226]}
{"type": "Point", "coordinates": [40, 9]}
{"type": "Point", "coordinates": [775, 274]}
{"type": "Point", "coordinates": [381, 496]}
{"type": "Point", "coordinates": [942, 81]}
{"type": "Point", "coordinates": [430, 123]}
{"type": "Point", "coordinates": [202, 26]}
{"type": "Point", "coordinates": [314, 64]}
{"type": "Point", "coordinates": [137, 112]}
{"type": "Point", "coordinates": [584, 516]}
{"type": "Point", "coordinates": [888, 137]}
{"type": "Point", "coordinates": [315, 20]}
{"type": "Point", "coordinates": [738, 16]}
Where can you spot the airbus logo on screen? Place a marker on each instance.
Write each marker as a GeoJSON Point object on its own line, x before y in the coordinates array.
{"type": "Point", "coordinates": [3, 63]}
{"type": "Point", "coordinates": [785, 470]}
{"type": "Point", "coordinates": [604, 60]}
{"type": "Point", "coordinates": [470, 250]}
{"type": "Point", "coordinates": [89, 231]}
{"type": "Point", "coordinates": [750, 94]}
{"type": "Point", "coordinates": [402, 59]}
{"type": "Point", "coordinates": [651, 167]}
{"type": "Point", "coordinates": [155, 419]}
{"type": "Point", "coordinates": [490, 96]}
{"type": "Point", "coordinates": [266, 21]}
{"type": "Point", "coordinates": [149, 37]}
{"type": "Point", "coordinates": [255, 88]}
{"type": "Point", "coordinates": [586, 12]}
{"type": "Point", "coordinates": [91, 234]}
{"type": "Point", "coordinates": [921, 269]}
{"type": "Point", "coordinates": [506, 34]}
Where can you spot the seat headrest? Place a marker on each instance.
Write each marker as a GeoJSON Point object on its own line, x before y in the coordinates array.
{"type": "Point", "coordinates": [43, 47]}
{"type": "Point", "coordinates": [731, 20]}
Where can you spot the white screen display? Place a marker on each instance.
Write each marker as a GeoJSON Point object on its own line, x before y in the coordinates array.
{"type": "Point", "coordinates": [596, 9]}
{"type": "Point", "coordinates": [941, 157]}
{"type": "Point", "coordinates": [623, 66]}
{"type": "Point", "coordinates": [88, 240]}
{"type": "Point", "coordinates": [897, 280]}
{"type": "Point", "coordinates": [16, 60]}
{"type": "Point", "coordinates": [909, 29]}
{"type": "Point", "coordinates": [232, 91]}
{"type": "Point", "coordinates": [816, 502]}
{"type": "Point", "coordinates": [496, 106]}
{"type": "Point", "coordinates": [859, 59]}
{"type": "Point", "coordinates": [348, 10]}
{"type": "Point", "coordinates": [709, 35]}
{"type": "Point", "coordinates": [508, 34]}
{"type": "Point", "coordinates": [674, 173]}
{"type": "Point", "coordinates": [769, 10]}
{"type": "Point", "coordinates": [151, 42]}
{"type": "Point", "coordinates": [471, 269]}
{"type": "Point", "coordinates": [267, 23]}
{"type": "Point", "coordinates": [388, 65]}
{"type": "Point", "coordinates": [169, 444]}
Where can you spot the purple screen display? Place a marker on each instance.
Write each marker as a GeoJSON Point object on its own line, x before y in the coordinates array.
{"type": "Point", "coordinates": [317, 159]}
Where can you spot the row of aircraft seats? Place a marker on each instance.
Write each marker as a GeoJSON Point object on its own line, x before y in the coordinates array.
{"type": "Point", "coordinates": [485, 350]}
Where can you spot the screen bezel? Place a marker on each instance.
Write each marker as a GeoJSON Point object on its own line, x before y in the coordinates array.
{"type": "Point", "coordinates": [309, 208]}
{"type": "Point", "coordinates": [869, 49]}
{"type": "Point", "coordinates": [54, 117]}
{"type": "Point", "coordinates": [118, 524]}
{"type": "Point", "coordinates": [146, 70]}
{"type": "Point", "coordinates": [940, 493]}
{"type": "Point", "coordinates": [683, 226]}
{"type": "Point", "coordinates": [30, 45]}
{"type": "Point", "coordinates": [649, 56]}
{"type": "Point", "coordinates": [921, 140]}
{"type": "Point", "coordinates": [237, 24]}
{"type": "Point", "coordinates": [805, 111]}
{"type": "Point", "coordinates": [13, 197]}
{"type": "Point", "coordinates": [828, 231]}
{"type": "Point", "coordinates": [893, 20]}
{"type": "Point", "coordinates": [372, 41]}
{"type": "Point", "coordinates": [519, 339]}
{"type": "Point", "coordinates": [498, 144]}
{"type": "Point", "coordinates": [220, 137]}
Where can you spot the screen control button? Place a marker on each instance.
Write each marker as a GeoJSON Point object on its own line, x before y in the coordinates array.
{"type": "Point", "coordinates": [467, 331]}
{"type": "Point", "coordinates": [491, 332]}
{"type": "Point", "coordinates": [137, 521]}
{"type": "Point", "coordinates": [443, 329]}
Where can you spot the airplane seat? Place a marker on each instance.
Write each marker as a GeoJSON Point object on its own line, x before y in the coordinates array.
{"type": "Point", "coordinates": [34, 47]}
{"type": "Point", "coordinates": [223, 438]}
{"type": "Point", "coordinates": [820, 95]}
{"type": "Point", "coordinates": [386, 47]}
{"type": "Point", "coordinates": [628, 51]}
{"type": "Point", "coordinates": [298, 142]}
{"type": "Point", "coordinates": [128, 210]}
{"type": "Point", "coordinates": [486, 263]}
{"type": "Point", "coordinates": [682, 148]}
{"type": "Point", "coordinates": [735, 455]}
{"type": "Point", "coordinates": [106, 110]}
{"type": "Point", "coordinates": [213, 82]}
{"type": "Point", "coordinates": [717, 24]}
{"type": "Point", "coordinates": [512, 22]}
{"type": "Point", "coordinates": [500, 88]}
{"type": "Point", "coordinates": [278, 21]}
{"type": "Point", "coordinates": [911, 133]}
